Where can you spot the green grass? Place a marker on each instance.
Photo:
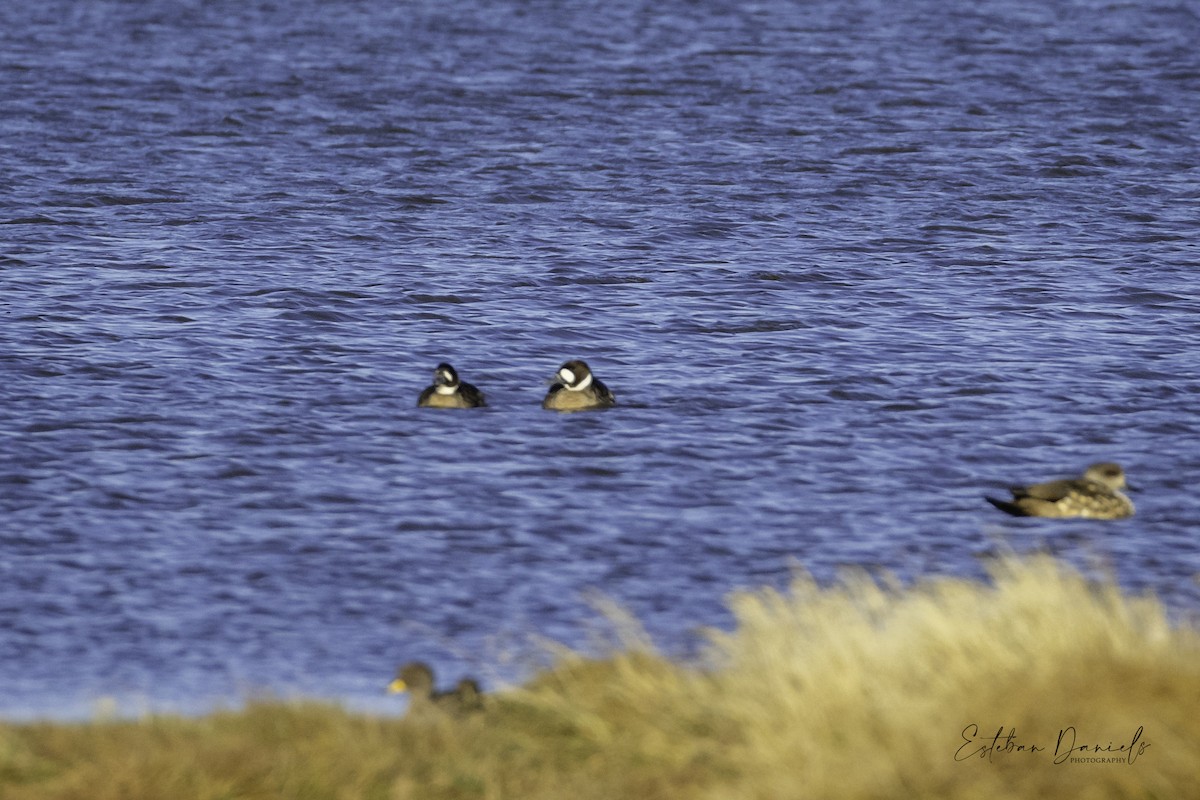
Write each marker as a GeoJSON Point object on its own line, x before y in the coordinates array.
{"type": "Point", "coordinates": [854, 691]}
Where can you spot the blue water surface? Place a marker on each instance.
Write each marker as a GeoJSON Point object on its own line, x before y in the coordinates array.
{"type": "Point", "coordinates": [848, 266]}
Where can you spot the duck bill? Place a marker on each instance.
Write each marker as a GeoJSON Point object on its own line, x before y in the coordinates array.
{"type": "Point", "coordinates": [397, 686]}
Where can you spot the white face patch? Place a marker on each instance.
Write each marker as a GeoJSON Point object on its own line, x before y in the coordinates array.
{"type": "Point", "coordinates": [585, 383]}
{"type": "Point", "coordinates": [567, 376]}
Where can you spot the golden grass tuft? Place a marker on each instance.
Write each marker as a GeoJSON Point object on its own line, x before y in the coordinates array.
{"type": "Point", "coordinates": [856, 691]}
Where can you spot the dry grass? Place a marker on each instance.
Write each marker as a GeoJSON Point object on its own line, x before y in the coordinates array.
{"type": "Point", "coordinates": [856, 691]}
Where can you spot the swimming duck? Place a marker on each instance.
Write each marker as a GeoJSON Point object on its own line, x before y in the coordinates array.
{"type": "Point", "coordinates": [416, 678]}
{"type": "Point", "coordinates": [576, 389]}
{"type": "Point", "coordinates": [448, 392]}
{"type": "Point", "coordinates": [1095, 495]}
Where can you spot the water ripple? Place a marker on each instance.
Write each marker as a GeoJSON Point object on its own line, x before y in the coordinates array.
{"type": "Point", "coordinates": [845, 273]}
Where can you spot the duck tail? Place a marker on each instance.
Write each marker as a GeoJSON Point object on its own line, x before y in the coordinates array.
{"type": "Point", "coordinates": [1006, 506]}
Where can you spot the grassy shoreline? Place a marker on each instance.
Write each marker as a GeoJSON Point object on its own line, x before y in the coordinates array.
{"type": "Point", "coordinates": [951, 688]}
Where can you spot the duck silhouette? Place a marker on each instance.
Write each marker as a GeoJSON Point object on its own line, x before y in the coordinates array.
{"type": "Point", "coordinates": [416, 679]}
{"type": "Point", "coordinates": [1094, 495]}
{"type": "Point", "coordinates": [447, 391]}
{"type": "Point", "coordinates": [575, 388]}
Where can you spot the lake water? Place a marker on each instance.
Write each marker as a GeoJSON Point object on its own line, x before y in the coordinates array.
{"type": "Point", "coordinates": [847, 265]}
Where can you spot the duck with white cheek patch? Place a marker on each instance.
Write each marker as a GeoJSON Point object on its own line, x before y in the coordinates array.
{"type": "Point", "coordinates": [577, 389]}
{"type": "Point", "coordinates": [448, 391]}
